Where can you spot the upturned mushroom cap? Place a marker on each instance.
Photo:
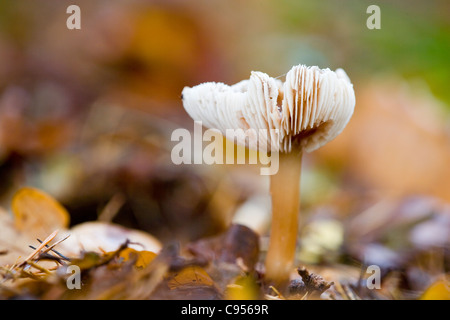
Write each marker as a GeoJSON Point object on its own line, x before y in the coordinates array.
{"type": "Point", "coordinates": [308, 110]}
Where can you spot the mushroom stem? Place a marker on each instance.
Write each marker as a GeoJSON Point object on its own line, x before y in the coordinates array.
{"type": "Point", "coordinates": [285, 192]}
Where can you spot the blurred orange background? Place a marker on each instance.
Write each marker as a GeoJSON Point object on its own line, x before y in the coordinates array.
{"type": "Point", "coordinates": [86, 114]}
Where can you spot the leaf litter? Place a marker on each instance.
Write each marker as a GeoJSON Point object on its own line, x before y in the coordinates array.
{"type": "Point", "coordinates": [224, 266]}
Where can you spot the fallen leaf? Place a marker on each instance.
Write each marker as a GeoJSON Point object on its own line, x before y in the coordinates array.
{"type": "Point", "coordinates": [37, 213]}
{"type": "Point", "coordinates": [439, 290]}
{"type": "Point", "coordinates": [191, 276]}
{"type": "Point", "coordinates": [105, 237]}
{"type": "Point", "coordinates": [243, 288]}
{"type": "Point", "coordinates": [238, 245]}
{"type": "Point", "coordinates": [143, 258]}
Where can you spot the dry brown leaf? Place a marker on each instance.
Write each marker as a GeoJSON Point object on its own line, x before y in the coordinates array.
{"type": "Point", "coordinates": [238, 245]}
{"type": "Point", "coordinates": [190, 276]}
{"type": "Point", "coordinates": [37, 214]}
{"type": "Point", "coordinates": [143, 258]}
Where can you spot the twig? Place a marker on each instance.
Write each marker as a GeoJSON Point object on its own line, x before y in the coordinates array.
{"type": "Point", "coordinates": [277, 292]}
{"type": "Point", "coordinates": [43, 244]}
{"type": "Point", "coordinates": [40, 268]}
{"type": "Point", "coordinates": [50, 248]}
{"type": "Point", "coordinates": [47, 256]}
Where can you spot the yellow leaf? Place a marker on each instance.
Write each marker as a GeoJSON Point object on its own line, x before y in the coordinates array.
{"type": "Point", "coordinates": [190, 276]}
{"type": "Point", "coordinates": [38, 213]}
{"type": "Point", "coordinates": [143, 257]}
{"type": "Point", "coordinates": [244, 288]}
{"type": "Point", "coordinates": [439, 290]}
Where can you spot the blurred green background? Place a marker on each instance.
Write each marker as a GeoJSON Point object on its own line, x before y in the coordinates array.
{"type": "Point", "coordinates": [224, 40]}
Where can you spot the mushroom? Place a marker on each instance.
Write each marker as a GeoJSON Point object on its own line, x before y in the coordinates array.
{"type": "Point", "coordinates": [308, 110]}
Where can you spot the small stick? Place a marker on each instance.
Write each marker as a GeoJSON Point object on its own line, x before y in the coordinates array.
{"type": "Point", "coordinates": [48, 248]}
{"type": "Point", "coordinates": [46, 256]}
{"type": "Point", "coordinates": [40, 268]}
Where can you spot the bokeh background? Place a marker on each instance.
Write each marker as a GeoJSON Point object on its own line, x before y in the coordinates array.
{"type": "Point", "coordinates": [86, 115]}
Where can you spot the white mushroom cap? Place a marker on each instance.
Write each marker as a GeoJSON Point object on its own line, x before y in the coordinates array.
{"type": "Point", "coordinates": [309, 109]}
